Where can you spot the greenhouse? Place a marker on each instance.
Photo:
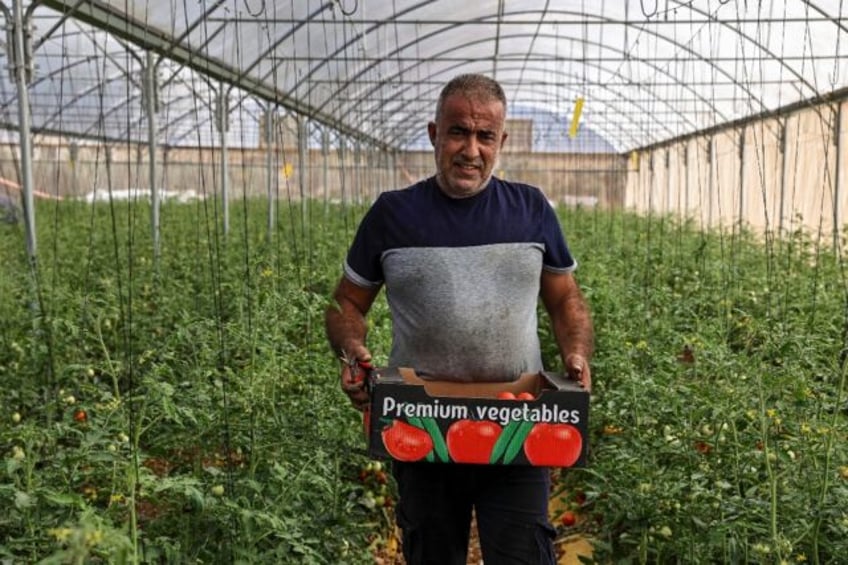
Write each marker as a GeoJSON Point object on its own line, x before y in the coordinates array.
{"type": "Point", "coordinates": [181, 182]}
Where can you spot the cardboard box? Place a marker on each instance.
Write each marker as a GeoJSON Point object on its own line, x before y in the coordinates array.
{"type": "Point", "coordinates": [413, 419]}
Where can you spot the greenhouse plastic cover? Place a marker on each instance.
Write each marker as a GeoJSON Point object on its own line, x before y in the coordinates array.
{"type": "Point", "coordinates": [644, 71]}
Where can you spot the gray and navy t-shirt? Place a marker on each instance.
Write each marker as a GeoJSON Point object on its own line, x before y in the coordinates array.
{"type": "Point", "coordinates": [461, 276]}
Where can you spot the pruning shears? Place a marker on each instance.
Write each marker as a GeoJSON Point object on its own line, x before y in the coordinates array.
{"type": "Point", "coordinates": [359, 370]}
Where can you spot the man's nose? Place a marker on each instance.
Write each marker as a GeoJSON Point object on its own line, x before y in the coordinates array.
{"type": "Point", "coordinates": [471, 147]}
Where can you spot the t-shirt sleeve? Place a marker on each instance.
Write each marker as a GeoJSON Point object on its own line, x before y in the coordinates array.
{"type": "Point", "coordinates": [557, 257]}
{"type": "Point", "coordinates": [362, 265]}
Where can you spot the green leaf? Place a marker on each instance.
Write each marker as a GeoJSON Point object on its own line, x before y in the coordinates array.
{"type": "Point", "coordinates": [439, 445]}
{"type": "Point", "coordinates": [22, 500]}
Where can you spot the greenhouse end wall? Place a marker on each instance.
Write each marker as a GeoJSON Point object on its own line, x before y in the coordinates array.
{"type": "Point", "coordinates": [67, 170]}
{"type": "Point", "coordinates": [779, 174]}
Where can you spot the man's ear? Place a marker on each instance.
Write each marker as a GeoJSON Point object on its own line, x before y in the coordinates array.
{"type": "Point", "coordinates": [503, 139]}
{"type": "Point", "coordinates": [431, 131]}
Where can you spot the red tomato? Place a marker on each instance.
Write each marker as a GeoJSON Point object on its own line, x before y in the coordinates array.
{"type": "Point", "coordinates": [406, 442]}
{"type": "Point", "coordinates": [525, 396]}
{"type": "Point", "coordinates": [580, 497]}
{"type": "Point", "coordinates": [553, 445]}
{"type": "Point", "coordinates": [472, 441]}
{"type": "Point", "coordinates": [506, 395]}
{"type": "Point", "coordinates": [568, 518]}
{"type": "Point", "coordinates": [80, 415]}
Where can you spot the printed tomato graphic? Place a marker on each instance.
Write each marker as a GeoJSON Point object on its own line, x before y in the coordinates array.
{"type": "Point", "coordinates": [406, 442]}
{"type": "Point", "coordinates": [471, 441]}
{"type": "Point", "coordinates": [553, 445]}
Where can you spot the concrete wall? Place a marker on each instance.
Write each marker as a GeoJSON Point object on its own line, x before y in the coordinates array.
{"type": "Point", "coordinates": [61, 170]}
{"type": "Point", "coordinates": [777, 175]}
{"type": "Point", "coordinates": [774, 175]}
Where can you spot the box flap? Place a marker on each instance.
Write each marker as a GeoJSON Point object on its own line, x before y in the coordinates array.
{"type": "Point", "coordinates": [534, 383]}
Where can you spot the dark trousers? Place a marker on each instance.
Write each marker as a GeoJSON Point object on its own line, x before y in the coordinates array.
{"type": "Point", "coordinates": [511, 505]}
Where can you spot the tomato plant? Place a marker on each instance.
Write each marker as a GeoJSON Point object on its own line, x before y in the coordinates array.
{"type": "Point", "coordinates": [553, 445]}
{"type": "Point", "coordinates": [406, 442]}
{"type": "Point", "coordinates": [165, 392]}
{"type": "Point", "coordinates": [472, 441]}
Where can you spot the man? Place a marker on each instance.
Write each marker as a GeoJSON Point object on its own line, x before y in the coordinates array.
{"type": "Point", "coordinates": [464, 258]}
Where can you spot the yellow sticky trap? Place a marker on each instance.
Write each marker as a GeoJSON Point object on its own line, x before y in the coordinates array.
{"type": "Point", "coordinates": [501, 173]}
{"type": "Point", "coordinates": [288, 169]}
{"type": "Point", "coordinates": [634, 159]}
{"type": "Point", "coordinates": [575, 119]}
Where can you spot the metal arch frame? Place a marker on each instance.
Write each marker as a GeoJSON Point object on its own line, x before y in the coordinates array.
{"type": "Point", "coordinates": [605, 129]}
{"type": "Point", "coordinates": [176, 141]}
{"type": "Point", "coordinates": [709, 18]}
{"type": "Point", "coordinates": [646, 62]}
{"type": "Point", "coordinates": [118, 24]}
{"type": "Point", "coordinates": [88, 7]}
{"type": "Point", "coordinates": [177, 78]}
{"type": "Point", "coordinates": [377, 62]}
{"type": "Point", "coordinates": [835, 21]}
{"type": "Point", "coordinates": [97, 46]}
{"type": "Point", "coordinates": [124, 73]}
{"type": "Point", "coordinates": [46, 123]}
{"type": "Point", "coordinates": [402, 124]}
{"type": "Point", "coordinates": [761, 48]}
{"type": "Point", "coordinates": [4, 104]}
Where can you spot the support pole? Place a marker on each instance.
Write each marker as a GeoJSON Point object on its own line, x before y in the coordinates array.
{"type": "Point", "coordinates": [357, 168]}
{"type": "Point", "coordinates": [742, 198]}
{"type": "Point", "coordinates": [222, 114]}
{"type": "Point", "coordinates": [393, 169]}
{"type": "Point", "coordinates": [783, 173]}
{"type": "Point", "coordinates": [73, 156]}
{"type": "Point", "coordinates": [22, 75]}
{"type": "Point", "coordinates": [711, 188]}
{"type": "Point", "coordinates": [151, 107]}
{"type": "Point", "coordinates": [343, 171]}
{"type": "Point", "coordinates": [302, 159]}
{"type": "Point", "coordinates": [325, 169]}
{"type": "Point", "coordinates": [668, 184]}
{"type": "Point", "coordinates": [270, 170]}
{"type": "Point", "coordinates": [686, 184]}
{"type": "Point", "coordinates": [651, 185]}
{"type": "Point", "coordinates": [837, 175]}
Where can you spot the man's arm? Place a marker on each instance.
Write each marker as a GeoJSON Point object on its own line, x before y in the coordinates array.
{"type": "Point", "coordinates": [347, 329]}
{"type": "Point", "coordinates": [572, 324]}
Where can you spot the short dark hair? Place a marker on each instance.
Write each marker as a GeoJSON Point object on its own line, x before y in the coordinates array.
{"type": "Point", "coordinates": [475, 86]}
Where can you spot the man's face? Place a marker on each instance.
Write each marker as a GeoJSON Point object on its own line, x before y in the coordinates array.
{"type": "Point", "coordinates": [467, 137]}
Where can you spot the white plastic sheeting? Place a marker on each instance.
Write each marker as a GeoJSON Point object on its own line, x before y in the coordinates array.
{"type": "Point", "coordinates": [648, 70]}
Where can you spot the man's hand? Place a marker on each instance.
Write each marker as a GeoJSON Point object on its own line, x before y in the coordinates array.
{"type": "Point", "coordinates": [577, 368]}
{"type": "Point", "coordinates": [346, 331]}
{"type": "Point", "coordinates": [355, 365]}
{"type": "Point", "coordinates": [572, 324]}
